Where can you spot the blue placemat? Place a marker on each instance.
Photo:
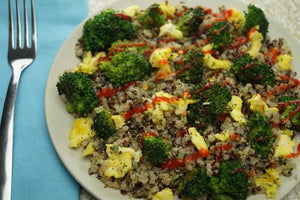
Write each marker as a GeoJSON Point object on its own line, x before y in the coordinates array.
{"type": "Point", "coordinates": [37, 171]}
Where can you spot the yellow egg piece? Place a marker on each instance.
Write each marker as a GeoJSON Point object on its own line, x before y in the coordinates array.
{"type": "Point", "coordinates": [197, 139]}
{"type": "Point", "coordinates": [223, 136]}
{"type": "Point", "coordinates": [170, 30]}
{"type": "Point", "coordinates": [258, 105]}
{"type": "Point", "coordinates": [159, 59]}
{"type": "Point", "coordinates": [284, 146]}
{"type": "Point", "coordinates": [207, 47]}
{"type": "Point", "coordinates": [131, 10]}
{"type": "Point", "coordinates": [269, 181]}
{"type": "Point", "coordinates": [162, 94]}
{"type": "Point", "coordinates": [89, 150]}
{"type": "Point", "coordinates": [165, 194]}
{"type": "Point", "coordinates": [88, 64]}
{"type": "Point", "coordinates": [119, 160]}
{"type": "Point", "coordinates": [162, 105]}
{"type": "Point", "coordinates": [157, 115]}
{"type": "Point", "coordinates": [256, 39]}
{"type": "Point", "coordinates": [118, 120]}
{"type": "Point", "coordinates": [182, 105]}
{"type": "Point", "coordinates": [167, 9]}
{"type": "Point", "coordinates": [213, 63]}
{"type": "Point", "coordinates": [288, 132]}
{"type": "Point", "coordinates": [236, 17]}
{"type": "Point", "coordinates": [284, 62]}
{"type": "Point", "coordinates": [81, 131]}
{"type": "Point", "coordinates": [236, 109]}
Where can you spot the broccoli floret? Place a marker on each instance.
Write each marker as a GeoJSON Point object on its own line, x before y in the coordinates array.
{"type": "Point", "coordinates": [209, 104]}
{"type": "Point", "coordinates": [156, 150]}
{"type": "Point", "coordinates": [220, 35]}
{"type": "Point", "coordinates": [104, 125]}
{"type": "Point", "coordinates": [288, 110]}
{"type": "Point", "coordinates": [253, 17]}
{"type": "Point", "coordinates": [125, 67]}
{"type": "Point", "coordinates": [189, 23]}
{"type": "Point", "coordinates": [231, 183]}
{"type": "Point", "coordinates": [126, 45]}
{"type": "Point", "coordinates": [249, 70]}
{"type": "Point", "coordinates": [260, 135]}
{"type": "Point", "coordinates": [285, 99]}
{"type": "Point", "coordinates": [153, 16]}
{"type": "Point", "coordinates": [79, 92]}
{"type": "Point", "coordinates": [105, 28]}
{"type": "Point", "coordinates": [193, 62]}
{"type": "Point", "coordinates": [194, 184]}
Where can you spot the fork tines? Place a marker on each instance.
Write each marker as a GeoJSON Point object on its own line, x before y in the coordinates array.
{"type": "Point", "coordinates": [11, 42]}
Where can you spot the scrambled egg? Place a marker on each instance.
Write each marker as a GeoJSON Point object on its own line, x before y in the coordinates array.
{"type": "Point", "coordinates": [167, 9]}
{"type": "Point", "coordinates": [162, 104]}
{"type": "Point", "coordinates": [89, 150]}
{"type": "Point", "coordinates": [197, 139]}
{"type": "Point", "coordinates": [236, 17]}
{"type": "Point", "coordinates": [256, 39]}
{"type": "Point", "coordinates": [284, 62]}
{"type": "Point", "coordinates": [236, 112]}
{"type": "Point", "coordinates": [179, 105]}
{"type": "Point", "coordinates": [88, 64]}
{"type": "Point", "coordinates": [118, 120]}
{"type": "Point", "coordinates": [222, 136]}
{"type": "Point", "coordinates": [284, 146]}
{"type": "Point", "coordinates": [258, 105]}
{"type": "Point", "coordinates": [159, 59]}
{"type": "Point", "coordinates": [81, 131]}
{"type": "Point", "coordinates": [157, 113]}
{"type": "Point", "coordinates": [165, 194]}
{"type": "Point", "coordinates": [288, 132]}
{"type": "Point", "coordinates": [131, 10]}
{"type": "Point", "coordinates": [207, 47]}
{"type": "Point", "coordinates": [171, 31]}
{"type": "Point", "coordinates": [214, 63]}
{"type": "Point", "coordinates": [119, 160]}
{"type": "Point", "coordinates": [158, 116]}
{"type": "Point", "coordinates": [269, 181]}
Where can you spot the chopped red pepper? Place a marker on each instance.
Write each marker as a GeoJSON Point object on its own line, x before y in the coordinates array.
{"type": "Point", "coordinates": [223, 147]}
{"type": "Point", "coordinates": [252, 30]}
{"type": "Point", "coordinates": [176, 162]}
{"type": "Point", "coordinates": [160, 76]}
{"type": "Point", "coordinates": [239, 41]}
{"type": "Point", "coordinates": [227, 13]}
{"type": "Point", "coordinates": [235, 137]}
{"type": "Point", "coordinates": [295, 155]}
{"type": "Point", "coordinates": [126, 17]}
{"type": "Point", "coordinates": [103, 59]}
{"type": "Point", "coordinates": [273, 54]}
{"type": "Point", "coordinates": [207, 11]}
{"type": "Point", "coordinates": [180, 62]}
{"type": "Point", "coordinates": [109, 92]}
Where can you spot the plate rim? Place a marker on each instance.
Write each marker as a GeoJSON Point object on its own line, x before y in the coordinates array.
{"type": "Point", "coordinates": [289, 36]}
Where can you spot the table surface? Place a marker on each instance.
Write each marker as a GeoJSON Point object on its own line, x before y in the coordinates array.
{"type": "Point", "coordinates": [281, 11]}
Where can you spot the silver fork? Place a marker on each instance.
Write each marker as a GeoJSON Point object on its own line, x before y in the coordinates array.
{"type": "Point", "coordinates": [19, 57]}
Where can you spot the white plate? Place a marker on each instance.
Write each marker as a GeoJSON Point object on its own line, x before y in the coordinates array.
{"type": "Point", "coordinates": [60, 122]}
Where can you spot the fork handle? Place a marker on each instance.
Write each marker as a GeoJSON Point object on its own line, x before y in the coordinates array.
{"type": "Point", "coordinates": [6, 136]}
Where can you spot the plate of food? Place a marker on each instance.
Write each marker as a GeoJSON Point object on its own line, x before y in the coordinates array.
{"type": "Point", "coordinates": [177, 100]}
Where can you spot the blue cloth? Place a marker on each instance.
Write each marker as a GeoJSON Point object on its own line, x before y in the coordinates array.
{"type": "Point", "coordinates": [37, 171]}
